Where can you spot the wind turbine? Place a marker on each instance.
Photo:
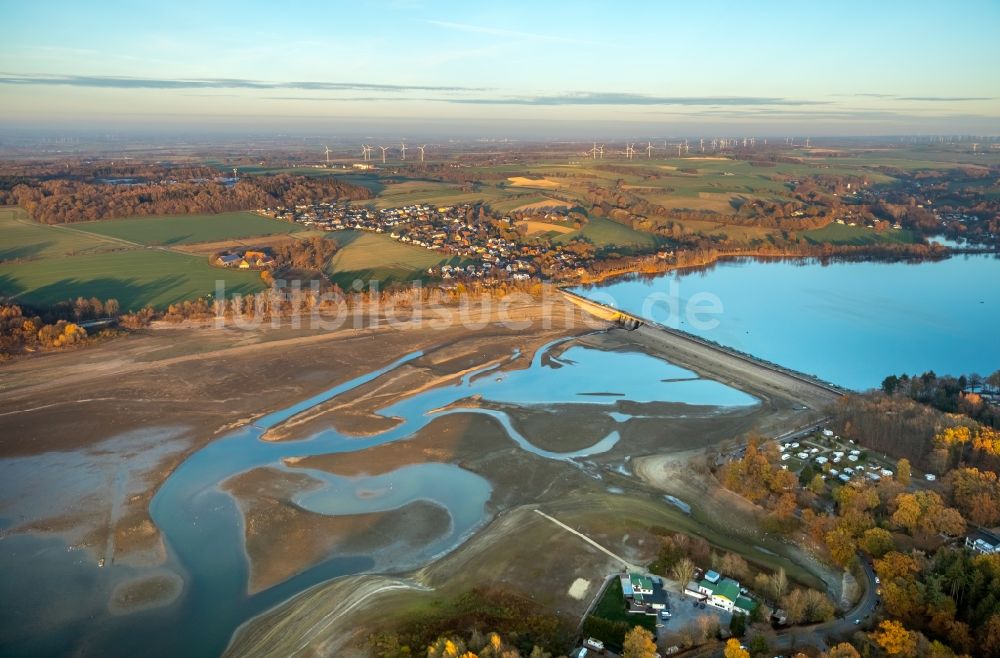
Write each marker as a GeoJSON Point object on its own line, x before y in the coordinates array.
{"type": "Point", "coordinates": [649, 150]}
{"type": "Point", "coordinates": [600, 151]}
{"type": "Point", "coordinates": [421, 148]}
{"type": "Point", "coordinates": [593, 152]}
{"type": "Point", "coordinates": [679, 147]}
{"type": "Point", "coordinates": [384, 149]}
{"type": "Point", "coordinates": [327, 154]}
{"type": "Point", "coordinates": [366, 152]}
{"type": "Point", "coordinates": [402, 150]}
{"type": "Point", "coordinates": [236, 175]}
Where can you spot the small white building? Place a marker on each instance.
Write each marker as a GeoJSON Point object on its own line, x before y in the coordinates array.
{"type": "Point", "coordinates": [983, 541]}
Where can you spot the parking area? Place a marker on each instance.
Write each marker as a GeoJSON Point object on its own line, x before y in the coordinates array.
{"type": "Point", "coordinates": [686, 614]}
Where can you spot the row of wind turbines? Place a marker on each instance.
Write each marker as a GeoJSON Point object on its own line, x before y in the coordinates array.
{"type": "Point", "coordinates": [367, 149]}
{"type": "Point", "coordinates": [683, 148]}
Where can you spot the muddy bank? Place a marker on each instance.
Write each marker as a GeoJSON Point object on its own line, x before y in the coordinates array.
{"type": "Point", "coordinates": [282, 539]}
{"type": "Point", "coordinates": [357, 412]}
{"type": "Point", "coordinates": [455, 438]}
{"type": "Point", "coordinates": [146, 592]}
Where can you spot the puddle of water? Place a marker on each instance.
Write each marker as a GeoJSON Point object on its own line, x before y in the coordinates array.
{"type": "Point", "coordinates": [678, 503]}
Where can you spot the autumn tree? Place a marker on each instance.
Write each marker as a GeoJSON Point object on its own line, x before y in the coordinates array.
{"type": "Point", "coordinates": [734, 650]}
{"type": "Point", "coordinates": [841, 544]}
{"type": "Point", "coordinates": [989, 635]}
{"type": "Point", "coordinates": [446, 648]}
{"type": "Point", "coordinates": [734, 565]}
{"type": "Point", "coordinates": [877, 541]}
{"type": "Point", "coordinates": [794, 604]}
{"type": "Point", "coordinates": [843, 650]}
{"type": "Point", "coordinates": [925, 511]}
{"type": "Point", "coordinates": [683, 571]}
{"type": "Point", "coordinates": [900, 589]}
{"type": "Point", "coordinates": [894, 639]}
{"type": "Point", "coordinates": [778, 584]}
{"type": "Point", "coordinates": [976, 494]}
{"type": "Point", "coordinates": [903, 471]}
{"type": "Point", "coordinates": [639, 643]}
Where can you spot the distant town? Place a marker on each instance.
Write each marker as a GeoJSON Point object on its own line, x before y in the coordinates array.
{"type": "Point", "coordinates": [463, 230]}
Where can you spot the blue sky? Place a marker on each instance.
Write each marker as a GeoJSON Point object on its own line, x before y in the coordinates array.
{"type": "Point", "coordinates": [772, 67]}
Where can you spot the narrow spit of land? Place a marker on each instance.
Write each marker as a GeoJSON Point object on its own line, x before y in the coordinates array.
{"type": "Point", "coordinates": [717, 362]}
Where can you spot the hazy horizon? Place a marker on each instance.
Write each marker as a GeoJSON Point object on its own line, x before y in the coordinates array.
{"type": "Point", "coordinates": [516, 71]}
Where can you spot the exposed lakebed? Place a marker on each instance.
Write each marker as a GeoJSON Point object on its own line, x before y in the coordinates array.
{"type": "Point", "coordinates": [204, 525]}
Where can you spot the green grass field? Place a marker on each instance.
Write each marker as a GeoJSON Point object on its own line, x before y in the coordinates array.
{"type": "Point", "coordinates": [842, 234]}
{"type": "Point", "coordinates": [605, 233]}
{"type": "Point", "coordinates": [188, 229]}
{"type": "Point", "coordinates": [377, 257]}
{"type": "Point", "coordinates": [23, 239]}
{"type": "Point", "coordinates": [134, 277]}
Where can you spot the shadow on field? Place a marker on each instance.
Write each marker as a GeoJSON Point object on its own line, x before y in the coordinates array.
{"type": "Point", "coordinates": [177, 239]}
{"type": "Point", "coordinates": [343, 238]}
{"type": "Point", "coordinates": [24, 251]}
{"type": "Point", "coordinates": [131, 294]}
{"type": "Point", "coordinates": [9, 287]}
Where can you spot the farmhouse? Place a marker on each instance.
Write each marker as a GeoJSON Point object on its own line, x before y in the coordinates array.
{"type": "Point", "coordinates": [250, 259]}
{"type": "Point", "coordinates": [725, 593]}
{"type": "Point", "coordinates": [642, 594]}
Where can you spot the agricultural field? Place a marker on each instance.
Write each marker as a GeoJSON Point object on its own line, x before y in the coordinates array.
{"type": "Point", "coordinates": [434, 193]}
{"type": "Point", "coordinates": [377, 257]}
{"type": "Point", "coordinates": [540, 183]}
{"type": "Point", "coordinates": [23, 239]}
{"type": "Point", "coordinates": [187, 229]}
{"type": "Point", "coordinates": [605, 233]}
{"type": "Point", "coordinates": [731, 231]}
{"type": "Point", "coordinates": [135, 277]}
{"type": "Point", "coordinates": [842, 234]}
{"type": "Point", "coordinates": [535, 228]}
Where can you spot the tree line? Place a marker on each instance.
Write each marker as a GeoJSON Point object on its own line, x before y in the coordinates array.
{"type": "Point", "coordinates": [61, 200]}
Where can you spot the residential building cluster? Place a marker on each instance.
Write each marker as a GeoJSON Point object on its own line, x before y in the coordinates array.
{"type": "Point", "coordinates": [644, 595]}
{"type": "Point", "coordinates": [487, 247]}
{"type": "Point", "coordinates": [250, 259]}
{"type": "Point", "coordinates": [720, 592]}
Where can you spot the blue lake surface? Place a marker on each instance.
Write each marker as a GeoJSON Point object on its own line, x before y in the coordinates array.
{"type": "Point", "coordinates": [852, 323]}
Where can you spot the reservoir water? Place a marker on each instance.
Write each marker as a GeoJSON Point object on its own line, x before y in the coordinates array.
{"type": "Point", "coordinates": [851, 323]}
